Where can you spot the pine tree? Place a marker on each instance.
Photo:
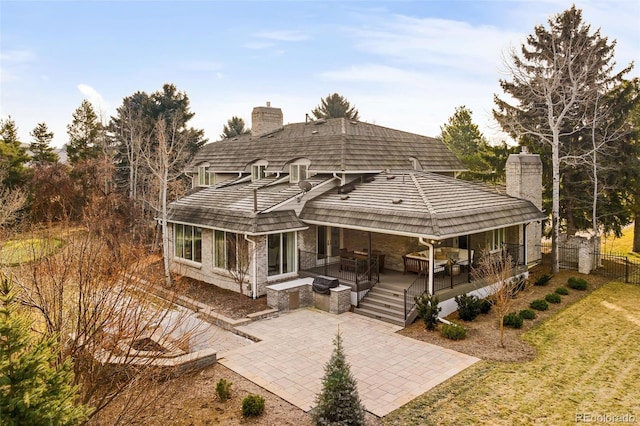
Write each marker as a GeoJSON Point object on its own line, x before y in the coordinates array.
{"type": "Point", "coordinates": [33, 389]}
{"type": "Point", "coordinates": [13, 156]}
{"type": "Point", "coordinates": [335, 106]}
{"type": "Point", "coordinates": [235, 126]}
{"type": "Point", "coordinates": [84, 134]}
{"type": "Point", "coordinates": [41, 150]}
{"type": "Point", "coordinates": [338, 403]}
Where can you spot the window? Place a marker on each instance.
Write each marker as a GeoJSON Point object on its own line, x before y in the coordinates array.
{"type": "Point", "coordinates": [281, 252]}
{"type": "Point", "coordinates": [496, 239]}
{"type": "Point", "coordinates": [188, 242]}
{"type": "Point", "coordinates": [230, 251]}
{"type": "Point", "coordinates": [258, 171]}
{"type": "Point", "coordinates": [205, 178]}
{"type": "Point", "coordinates": [297, 172]}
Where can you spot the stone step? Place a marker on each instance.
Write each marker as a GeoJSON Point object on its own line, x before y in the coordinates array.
{"type": "Point", "coordinates": [392, 312]}
{"type": "Point", "coordinates": [385, 301]}
{"type": "Point", "coordinates": [381, 316]}
{"type": "Point", "coordinates": [390, 292]}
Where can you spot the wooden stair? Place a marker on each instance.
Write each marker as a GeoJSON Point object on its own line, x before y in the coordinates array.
{"type": "Point", "coordinates": [383, 303]}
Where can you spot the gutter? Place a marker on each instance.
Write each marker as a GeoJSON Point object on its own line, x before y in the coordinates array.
{"type": "Point", "coordinates": [254, 275]}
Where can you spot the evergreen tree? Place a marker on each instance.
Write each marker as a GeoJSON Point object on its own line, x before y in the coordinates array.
{"type": "Point", "coordinates": [13, 155]}
{"type": "Point", "coordinates": [33, 389]}
{"type": "Point", "coordinates": [41, 150]}
{"type": "Point", "coordinates": [557, 81]}
{"type": "Point", "coordinates": [235, 127]}
{"type": "Point", "coordinates": [338, 403]}
{"type": "Point", "coordinates": [335, 106]}
{"type": "Point", "coordinates": [84, 134]}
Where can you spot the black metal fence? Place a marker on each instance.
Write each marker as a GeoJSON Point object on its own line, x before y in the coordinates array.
{"type": "Point", "coordinates": [360, 272]}
{"type": "Point", "coordinates": [617, 266]}
{"type": "Point", "coordinates": [567, 255]}
{"type": "Point", "coordinates": [417, 288]}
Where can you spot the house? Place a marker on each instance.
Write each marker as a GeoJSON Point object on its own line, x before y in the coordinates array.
{"type": "Point", "coordinates": [378, 208]}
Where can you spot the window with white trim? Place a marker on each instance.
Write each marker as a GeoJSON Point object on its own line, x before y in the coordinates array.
{"type": "Point", "coordinates": [496, 239]}
{"type": "Point", "coordinates": [258, 171]}
{"type": "Point", "coordinates": [281, 253]}
{"type": "Point", "coordinates": [297, 172]}
{"type": "Point", "coordinates": [230, 250]}
{"type": "Point", "coordinates": [188, 242]}
{"type": "Point", "coordinates": [205, 178]}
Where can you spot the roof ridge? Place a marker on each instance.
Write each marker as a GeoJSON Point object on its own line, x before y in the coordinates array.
{"type": "Point", "coordinates": [427, 203]}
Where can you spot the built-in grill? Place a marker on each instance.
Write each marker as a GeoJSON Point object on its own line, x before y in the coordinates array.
{"type": "Point", "coordinates": [322, 284]}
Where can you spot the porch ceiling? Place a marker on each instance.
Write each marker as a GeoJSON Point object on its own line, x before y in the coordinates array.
{"type": "Point", "coordinates": [420, 204]}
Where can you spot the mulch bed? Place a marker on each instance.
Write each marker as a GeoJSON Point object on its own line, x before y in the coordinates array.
{"type": "Point", "coordinates": [483, 333]}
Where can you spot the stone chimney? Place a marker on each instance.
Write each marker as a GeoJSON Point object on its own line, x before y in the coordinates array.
{"type": "Point", "coordinates": [265, 119]}
{"type": "Point", "coordinates": [524, 180]}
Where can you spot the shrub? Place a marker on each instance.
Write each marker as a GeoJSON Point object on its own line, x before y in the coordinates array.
{"type": "Point", "coordinates": [485, 306]}
{"type": "Point", "coordinates": [252, 405]}
{"type": "Point", "coordinates": [512, 320]}
{"type": "Point", "coordinates": [562, 291]}
{"type": "Point", "coordinates": [577, 283]}
{"type": "Point", "coordinates": [453, 331]}
{"type": "Point", "coordinates": [428, 310]}
{"type": "Point", "coordinates": [539, 305]}
{"type": "Point", "coordinates": [543, 280]}
{"type": "Point", "coordinates": [553, 298]}
{"type": "Point", "coordinates": [223, 389]}
{"type": "Point", "coordinates": [468, 307]}
{"type": "Point", "coordinates": [527, 314]}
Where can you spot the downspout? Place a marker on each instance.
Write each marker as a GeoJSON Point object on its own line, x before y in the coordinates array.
{"type": "Point", "coordinates": [254, 275]}
{"type": "Point", "coordinates": [422, 241]}
{"type": "Point", "coordinates": [342, 179]}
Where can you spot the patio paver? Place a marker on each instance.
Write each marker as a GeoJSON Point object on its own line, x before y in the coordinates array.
{"type": "Point", "coordinates": [391, 369]}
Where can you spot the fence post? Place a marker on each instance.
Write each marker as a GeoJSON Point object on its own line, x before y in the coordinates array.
{"type": "Point", "coordinates": [626, 269]}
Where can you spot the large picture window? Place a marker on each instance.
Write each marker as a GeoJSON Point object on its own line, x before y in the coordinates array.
{"type": "Point", "coordinates": [230, 251]}
{"type": "Point", "coordinates": [281, 252]}
{"type": "Point", "coordinates": [188, 242]}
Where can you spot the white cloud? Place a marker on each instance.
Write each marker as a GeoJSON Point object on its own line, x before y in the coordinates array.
{"type": "Point", "coordinates": [283, 35]}
{"type": "Point", "coordinates": [14, 64]}
{"type": "Point", "coordinates": [258, 45]}
{"type": "Point", "coordinates": [373, 73]}
{"type": "Point", "coordinates": [99, 104]}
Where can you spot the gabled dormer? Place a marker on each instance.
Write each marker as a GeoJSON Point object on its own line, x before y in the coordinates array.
{"type": "Point", "coordinates": [258, 170]}
{"type": "Point", "coordinates": [299, 170]}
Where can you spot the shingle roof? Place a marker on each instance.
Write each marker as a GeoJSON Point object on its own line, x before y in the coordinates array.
{"type": "Point", "coordinates": [230, 206]}
{"type": "Point", "coordinates": [331, 145]}
{"type": "Point", "coordinates": [421, 204]}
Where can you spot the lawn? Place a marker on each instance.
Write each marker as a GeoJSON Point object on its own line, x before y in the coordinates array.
{"type": "Point", "coordinates": [588, 363]}
{"type": "Point", "coordinates": [15, 252]}
{"type": "Point", "coordinates": [622, 245]}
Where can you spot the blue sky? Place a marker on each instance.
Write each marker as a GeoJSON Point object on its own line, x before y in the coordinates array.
{"type": "Point", "coordinates": [404, 64]}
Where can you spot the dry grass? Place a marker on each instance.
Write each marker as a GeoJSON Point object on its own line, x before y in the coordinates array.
{"type": "Point", "coordinates": [588, 362]}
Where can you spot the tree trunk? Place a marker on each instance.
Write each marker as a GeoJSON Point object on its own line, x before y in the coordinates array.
{"type": "Point", "coordinates": [555, 209]}
{"type": "Point", "coordinates": [636, 233]}
{"type": "Point", "coordinates": [165, 231]}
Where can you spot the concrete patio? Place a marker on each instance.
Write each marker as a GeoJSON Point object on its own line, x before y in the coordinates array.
{"type": "Point", "coordinates": [390, 369]}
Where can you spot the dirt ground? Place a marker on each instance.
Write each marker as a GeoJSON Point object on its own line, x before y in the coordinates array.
{"type": "Point", "coordinates": [192, 400]}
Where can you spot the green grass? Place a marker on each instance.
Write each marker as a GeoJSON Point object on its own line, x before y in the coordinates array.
{"type": "Point", "coordinates": [16, 252]}
{"type": "Point", "coordinates": [622, 245]}
{"type": "Point", "coordinates": [588, 362]}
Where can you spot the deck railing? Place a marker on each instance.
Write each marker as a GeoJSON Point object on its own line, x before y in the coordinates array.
{"type": "Point", "coordinates": [362, 273]}
{"type": "Point", "coordinates": [417, 288]}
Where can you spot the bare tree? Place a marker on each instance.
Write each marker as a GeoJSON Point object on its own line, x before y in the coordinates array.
{"type": "Point", "coordinates": [89, 298]}
{"type": "Point", "coordinates": [555, 78]}
{"type": "Point", "coordinates": [11, 202]}
{"type": "Point", "coordinates": [164, 160]}
{"type": "Point", "coordinates": [239, 270]}
{"type": "Point", "coordinates": [495, 270]}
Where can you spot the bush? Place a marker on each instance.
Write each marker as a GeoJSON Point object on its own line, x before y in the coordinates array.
{"type": "Point", "coordinates": [485, 306]}
{"type": "Point", "coordinates": [223, 389]}
{"type": "Point", "coordinates": [562, 291]}
{"type": "Point", "coordinates": [512, 320]}
{"type": "Point", "coordinates": [527, 314]}
{"type": "Point", "coordinates": [543, 280]}
{"type": "Point", "coordinates": [453, 331]}
{"type": "Point", "coordinates": [468, 307]}
{"type": "Point", "coordinates": [539, 305]}
{"type": "Point", "coordinates": [577, 283]}
{"type": "Point", "coordinates": [428, 310]}
{"type": "Point", "coordinates": [252, 405]}
{"type": "Point", "coordinates": [553, 298]}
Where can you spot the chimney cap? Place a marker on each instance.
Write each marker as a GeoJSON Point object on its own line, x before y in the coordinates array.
{"type": "Point", "coordinates": [268, 104]}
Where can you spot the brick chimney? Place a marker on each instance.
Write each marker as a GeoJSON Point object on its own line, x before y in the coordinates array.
{"type": "Point", "coordinates": [265, 119]}
{"type": "Point", "coordinates": [524, 180]}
